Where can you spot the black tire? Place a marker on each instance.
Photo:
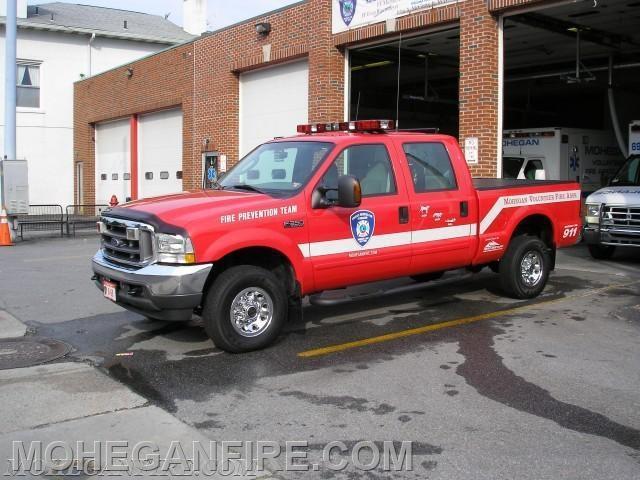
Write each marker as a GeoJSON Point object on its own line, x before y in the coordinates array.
{"type": "Point", "coordinates": [601, 252]}
{"type": "Point", "coordinates": [427, 277]}
{"type": "Point", "coordinates": [512, 279]}
{"type": "Point", "coordinates": [216, 314]}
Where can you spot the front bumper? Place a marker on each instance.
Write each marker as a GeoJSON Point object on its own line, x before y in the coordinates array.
{"type": "Point", "coordinates": [594, 235]}
{"type": "Point", "coordinates": [164, 292]}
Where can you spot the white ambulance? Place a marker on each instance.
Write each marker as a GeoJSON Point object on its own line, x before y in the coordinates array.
{"type": "Point", "coordinates": [590, 157]}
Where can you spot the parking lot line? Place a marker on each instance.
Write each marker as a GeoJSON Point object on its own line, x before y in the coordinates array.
{"type": "Point", "coordinates": [317, 352]}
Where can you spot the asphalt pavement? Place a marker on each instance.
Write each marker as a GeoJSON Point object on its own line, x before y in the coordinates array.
{"type": "Point", "coordinates": [483, 386]}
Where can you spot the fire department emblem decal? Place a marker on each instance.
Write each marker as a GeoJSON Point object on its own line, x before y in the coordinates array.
{"type": "Point", "coordinates": [347, 10]}
{"type": "Point", "coordinates": [363, 223]}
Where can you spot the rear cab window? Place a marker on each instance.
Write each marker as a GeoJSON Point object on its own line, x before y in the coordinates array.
{"type": "Point", "coordinates": [430, 167]}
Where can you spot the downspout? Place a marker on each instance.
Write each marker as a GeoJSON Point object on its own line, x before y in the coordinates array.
{"type": "Point", "coordinates": [91, 39]}
{"type": "Point", "coordinates": [614, 115]}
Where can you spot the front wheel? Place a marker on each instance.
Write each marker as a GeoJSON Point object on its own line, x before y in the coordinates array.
{"type": "Point", "coordinates": [245, 309]}
{"type": "Point", "coordinates": [601, 252]}
{"type": "Point", "coordinates": [524, 269]}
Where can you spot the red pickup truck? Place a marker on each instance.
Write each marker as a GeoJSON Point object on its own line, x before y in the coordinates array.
{"type": "Point", "coordinates": [337, 205]}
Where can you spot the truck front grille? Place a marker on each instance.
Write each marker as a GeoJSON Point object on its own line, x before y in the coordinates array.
{"type": "Point", "coordinates": [621, 224]}
{"type": "Point", "coordinates": [127, 243]}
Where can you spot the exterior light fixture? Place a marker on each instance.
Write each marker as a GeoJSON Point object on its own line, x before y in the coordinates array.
{"type": "Point", "coordinates": [263, 28]}
{"type": "Point", "coordinates": [129, 72]}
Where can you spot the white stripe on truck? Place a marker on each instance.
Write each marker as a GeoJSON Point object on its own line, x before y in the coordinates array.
{"type": "Point", "coordinates": [346, 245]}
{"type": "Point", "coordinates": [527, 199]}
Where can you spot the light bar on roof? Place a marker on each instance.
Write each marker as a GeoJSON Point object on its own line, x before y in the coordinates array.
{"type": "Point", "coordinates": [354, 126]}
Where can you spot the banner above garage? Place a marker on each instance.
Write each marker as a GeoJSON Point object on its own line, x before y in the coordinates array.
{"type": "Point", "coordinates": [348, 14]}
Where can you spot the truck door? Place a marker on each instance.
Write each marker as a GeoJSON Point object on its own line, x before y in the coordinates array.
{"type": "Point", "coordinates": [355, 245]}
{"type": "Point", "coordinates": [442, 208]}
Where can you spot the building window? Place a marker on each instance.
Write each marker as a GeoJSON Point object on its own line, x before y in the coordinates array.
{"type": "Point", "coordinates": [28, 83]}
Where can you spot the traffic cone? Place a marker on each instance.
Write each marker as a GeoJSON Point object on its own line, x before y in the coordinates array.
{"type": "Point", "coordinates": [5, 234]}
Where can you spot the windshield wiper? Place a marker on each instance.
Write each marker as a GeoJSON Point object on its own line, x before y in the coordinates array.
{"type": "Point", "coordinates": [249, 188]}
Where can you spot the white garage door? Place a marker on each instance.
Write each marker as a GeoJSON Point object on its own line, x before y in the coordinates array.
{"type": "Point", "coordinates": [160, 153]}
{"type": "Point", "coordinates": [112, 161]}
{"type": "Point", "coordinates": [273, 102]}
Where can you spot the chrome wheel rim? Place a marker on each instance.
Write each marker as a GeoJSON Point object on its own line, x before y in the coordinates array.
{"type": "Point", "coordinates": [251, 312]}
{"type": "Point", "coordinates": [531, 268]}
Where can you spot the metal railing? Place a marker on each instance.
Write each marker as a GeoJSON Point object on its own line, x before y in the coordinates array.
{"type": "Point", "coordinates": [83, 216]}
{"type": "Point", "coordinates": [42, 218]}
{"type": "Point", "coordinates": [54, 218]}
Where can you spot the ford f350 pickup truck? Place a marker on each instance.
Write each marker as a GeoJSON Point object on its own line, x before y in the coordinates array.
{"type": "Point", "coordinates": [338, 205]}
{"type": "Point", "coordinates": [613, 213]}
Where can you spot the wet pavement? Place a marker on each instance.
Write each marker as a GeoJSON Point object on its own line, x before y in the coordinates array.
{"type": "Point", "coordinates": [549, 388]}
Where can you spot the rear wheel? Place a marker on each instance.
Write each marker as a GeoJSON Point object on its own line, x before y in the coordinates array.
{"type": "Point", "coordinates": [524, 269]}
{"type": "Point", "coordinates": [601, 252]}
{"type": "Point", "coordinates": [245, 309]}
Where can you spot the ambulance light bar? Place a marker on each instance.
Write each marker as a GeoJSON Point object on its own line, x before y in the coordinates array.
{"type": "Point", "coordinates": [357, 126]}
{"type": "Point", "coordinates": [530, 134]}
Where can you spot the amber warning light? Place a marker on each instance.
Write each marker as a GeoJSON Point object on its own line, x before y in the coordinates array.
{"type": "Point", "coordinates": [357, 126]}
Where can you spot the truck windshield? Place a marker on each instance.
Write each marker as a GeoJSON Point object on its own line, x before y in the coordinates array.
{"type": "Point", "coordinates": [629, 174]}
{"type": "Point", "coordinates": [511, 166]}
{"type": "Point", "coordinates": [277, 168]}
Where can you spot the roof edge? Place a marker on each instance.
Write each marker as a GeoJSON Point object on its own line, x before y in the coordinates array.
{"type": "Point", "coordinates": [25, 24]}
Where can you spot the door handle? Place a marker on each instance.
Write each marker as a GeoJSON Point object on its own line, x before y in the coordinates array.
{"type": "Point", "coordinates": [464, 208]}
{"type": "Point", "coordinates": [403, 214]}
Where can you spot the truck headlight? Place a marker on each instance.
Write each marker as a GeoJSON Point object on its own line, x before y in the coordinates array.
{"type": "Point", "coordinates": [174, 249]}
{"type": "Point", "coordinates": [592, 215]}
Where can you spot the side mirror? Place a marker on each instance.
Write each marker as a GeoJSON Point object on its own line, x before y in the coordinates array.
{"type": "Point", "coordinates": [540, 175]}
{"type": "Point", "coordinates": [349, 192]}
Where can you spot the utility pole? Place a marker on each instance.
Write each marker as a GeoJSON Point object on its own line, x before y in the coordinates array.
{"type": "Point", "coordinates": [10, 75]}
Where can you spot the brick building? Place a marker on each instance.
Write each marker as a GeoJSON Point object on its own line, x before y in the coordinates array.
{"type": "Point", "coordinates": [470, 68]}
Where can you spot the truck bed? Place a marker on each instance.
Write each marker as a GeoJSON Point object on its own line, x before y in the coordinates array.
{"type": "Point", "coordinates": [498, 183]}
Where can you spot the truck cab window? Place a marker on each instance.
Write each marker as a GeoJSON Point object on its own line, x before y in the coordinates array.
{"type": "Point", "coordinates": [370, 164]}
{"type": "Point", "coordinates": [629, 174]}
{"type": "Point", "coordinates": [430, 167]}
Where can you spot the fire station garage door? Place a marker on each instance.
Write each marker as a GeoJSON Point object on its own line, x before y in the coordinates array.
{"type": "Point", "coordinates": [112, 161]}
{"type": "Point", "coordinates": [273, 101]}
{"type": "Point", "coordinates": [160, 153]}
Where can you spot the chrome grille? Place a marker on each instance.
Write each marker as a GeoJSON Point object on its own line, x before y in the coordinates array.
{"type": "Point", "coordinates": [620, 216]}
{"type": "Point", "coordinates": [127, 243]}
{"type": "Point", "coordinates": [620, 225]}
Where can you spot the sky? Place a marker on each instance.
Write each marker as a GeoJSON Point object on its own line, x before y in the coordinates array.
{"type": "Point", "coordinates": [220, 12]}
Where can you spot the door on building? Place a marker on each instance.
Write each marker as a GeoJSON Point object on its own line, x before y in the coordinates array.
{"type": "Point", "coordinates": [356, 245]}
{"type": "Point", "coordinates": [113, 163]}
{"type": "Point", "coordinates": [273, 101]}
{"type": "Point", "coordinates": [160, 153]}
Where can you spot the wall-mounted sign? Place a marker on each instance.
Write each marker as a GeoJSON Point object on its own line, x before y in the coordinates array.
{"type": "Point", "coordinates": [348, 14]}
{"type": "Point", "coordinates": [471, 150]}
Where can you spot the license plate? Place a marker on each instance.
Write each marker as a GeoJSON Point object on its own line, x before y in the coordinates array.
{"type": "Point", "coordinates": [109, 290]}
